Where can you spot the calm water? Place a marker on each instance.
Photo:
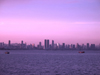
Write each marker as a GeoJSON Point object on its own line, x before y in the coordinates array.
{"type": "Point", "coordinates": [29, 62]}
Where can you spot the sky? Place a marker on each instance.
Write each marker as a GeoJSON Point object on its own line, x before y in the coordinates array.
{"type": "Point", "coordinates": [68, 21]}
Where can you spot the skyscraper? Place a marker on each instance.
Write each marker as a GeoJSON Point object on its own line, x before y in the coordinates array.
{"type": "Point", "coordinates": [39, 43]}
{"type": "Point", "coordinates": [63, 45]}
{"type": "Point", "coordinates": [22, 42]}
{"type": "Point", "coordinates": [73, 46]}
{"type": "Point", "coordinates": [52, 44]}
{"type": "Point", "coordinates": [46, 43]}
{"type": "Point", "coordinates": [77, 46]}
{"type": "Point", "coordinates": [92, 46]}
{"type": "Point", "coordinates": [9, 42]}
{"type": "Point", "coordinates": [87, 45]}
{"type": "Point", "coordinates": [39, 46]}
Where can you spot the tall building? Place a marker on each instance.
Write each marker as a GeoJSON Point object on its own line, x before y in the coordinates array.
{"type": "Point", "coordinates": [63, 45]}
{"type": "Point", "coordinates": [9, 42]}
{"type": "Point", "coordinates": [68, 46]}
{"type": "Point", "coordinates": [0, 44]}
{"type": "Point", "coordinates": [22, 42]}
{"type": "Point", "coordinates": [77, 46]}
{"type": "Point", "coordinates": [22, 46]}
{"type": "Point", "coordinates": [46, 43]}
{"type": "Point", "coordinates": [39, 46]}
{"type": "Point", "coordinates": [83, 46]}
{"type": "Point", "coordinates": [73, 46]}
{"type": "Point", "coordinates": [39, 43]}
{"type": "Point", "coordinates": [92, 46]}
{"type": "Point", "coordinates": [52, 44]}
{"type": "Point", "coordinates": [87, 45]}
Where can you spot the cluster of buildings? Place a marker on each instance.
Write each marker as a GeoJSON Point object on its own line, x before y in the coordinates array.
{"type": "Point", "coordinates": [47, 46]}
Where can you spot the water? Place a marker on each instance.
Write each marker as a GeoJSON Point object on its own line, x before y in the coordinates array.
{"type": "Point", "coordinates": [32, 62]}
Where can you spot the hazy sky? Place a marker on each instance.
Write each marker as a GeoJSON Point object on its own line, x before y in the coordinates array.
{"type": "Point", "coordinates": [69, 21]}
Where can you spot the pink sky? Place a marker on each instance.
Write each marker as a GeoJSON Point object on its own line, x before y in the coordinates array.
{"type": "Point", "coordinates": [68, 21]}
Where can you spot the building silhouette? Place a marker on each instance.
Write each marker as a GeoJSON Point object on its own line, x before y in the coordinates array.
{"type": "Point", "coordinates": [46, 43]}
{"type": "Point", "coordinates": [23, 45]}
{"type": "Point", "coordinates": [39, 44]}
{"type": "Point", "coordinates": [63, 45]}
{"type": "Point", "coordinates": [9, 42]}
{"type": "Point", "coordinates": [47, 46]}
{"type": "Point", "coordinates": [77, 46]}
{"type": "Point", "coordinates": [22, 42]}
{"type": "Point", "coordinates": [87, 45]}
{"type": "Point", "coordinates": [92, 46]}
{"type": "Point", "coordinates": [73, 46]}
{"type": "Point", "coordinates": [52, 44]}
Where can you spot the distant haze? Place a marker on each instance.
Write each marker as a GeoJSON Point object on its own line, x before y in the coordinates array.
{"type": "Point", "coordinates": [68, 21]}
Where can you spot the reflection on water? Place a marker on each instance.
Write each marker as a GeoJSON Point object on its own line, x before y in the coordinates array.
{"type": "Point", "coordinates": [50, 63]}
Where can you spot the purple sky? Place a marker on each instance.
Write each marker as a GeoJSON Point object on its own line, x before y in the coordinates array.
{"type": "Point", "coordinates": [69, 21]}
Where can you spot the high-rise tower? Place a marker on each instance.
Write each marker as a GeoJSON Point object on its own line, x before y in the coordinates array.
{"type": "Point", "coordinates": [46, 43]}
{"type": "Point", "coordinates": [87, 45]}
{"type": "Point", "coordinates": [52, 44]}
{"type": "Point", "coordinates": [9, 42]}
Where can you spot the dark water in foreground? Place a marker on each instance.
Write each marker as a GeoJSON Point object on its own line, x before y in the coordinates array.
{"type": "Point", "coordinates": [31, 62]}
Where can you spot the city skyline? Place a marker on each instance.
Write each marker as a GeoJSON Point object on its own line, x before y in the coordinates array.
{"type": "Point", "coordinates": [44, 41]}
{"type": "Point", "coordinates": [47, 46]}
{"type": "Point", "coordinates": [68, 21]}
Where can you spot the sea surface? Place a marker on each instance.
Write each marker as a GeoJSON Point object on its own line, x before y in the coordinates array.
{"type": "Point", "coordinates": [49, 62]}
